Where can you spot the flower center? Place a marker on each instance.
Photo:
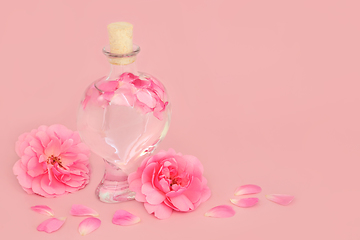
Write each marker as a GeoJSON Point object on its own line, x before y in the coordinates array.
{"type": "Point", "coordinates": [179, 180]}
{"type": "Point", "coordinates": [173, 181]}
{"type": "Point", "coordinates": [53, 160]}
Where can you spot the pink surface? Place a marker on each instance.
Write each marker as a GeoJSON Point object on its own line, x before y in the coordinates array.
{"type": "Point", "coordinates": [263, 92]}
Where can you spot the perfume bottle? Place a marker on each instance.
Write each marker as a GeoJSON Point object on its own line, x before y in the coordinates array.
{"type": "Point", "coordinates": [123, 116]}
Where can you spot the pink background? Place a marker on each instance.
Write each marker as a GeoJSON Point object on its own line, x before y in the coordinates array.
{"type": "Point", "coordinates": [263, 92]}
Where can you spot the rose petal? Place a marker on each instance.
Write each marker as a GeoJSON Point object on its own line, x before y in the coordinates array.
{"type": "Point", "coordinates": [108, 86]}
{"type": "Point", "coordinates": [36, 146]}
{"type": "Point", "coordinates": [53, 147]}
{"type": "Point", "coordinates": [43, 137]}
{"type": "Point", "coordinates": [147, 98]}
{"type": "Point", "coordinates": [81, 210]}
{"type": "Point", "coordinates": [127, 77]}
{"type": "Point", "coordinates": [60, 131]}
{"type": "Point", "coordinates": [51, 225]}
{"type": "Point", "coordinates": [153, 196]}
{"type": "Point", "coordinates": [206, 194]}
{"type": "Point", "coordinates": [194, 191]}
{"type": "Point", "coordinates": [247, 189]}
{"type": "Point", "coordinates": [89, 225]}
{"type": "Point", "coordinates": [25, 180]}
{"type": "Point", "coordinates": [281, 199]}
{"type": "Point", "coordinates": [135, 185]}
{"type": "Point", "coordinates": [222, 211]}
{"type": "Point", "coordinates": [123, 98]}
{"type": "Point", "coordinates": [36, 187]}
{"type": "Point", "coordinates": [52, 185]}
{"type": "Point", "coordinates": [148, 172]}
{"type": "Point", "coordinates": [182, 203]}
{"type": "Point", "coordinates": [124, 218]}
{"type": "Point", "coordinates": [35, 168]}
{"type": "Point", "coordinates": [161, 211]}
{"type": "Point", "coordinates": [43, 209]}
{"type": "Point", "coordinates": [245, 202]}
{"type": "Point", "coordinates": [138, 83]}
{"type": "Point", "coordinates": [21, 144]}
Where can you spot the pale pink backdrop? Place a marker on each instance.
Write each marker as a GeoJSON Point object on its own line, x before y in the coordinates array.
{"type": "Point", "coordinates": [263, 92]}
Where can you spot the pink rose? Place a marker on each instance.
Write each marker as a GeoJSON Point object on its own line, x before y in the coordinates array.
{"type": "Point", "coordinates": [168, 181]}
{"type": "Point", "coordinates": [53, 161]}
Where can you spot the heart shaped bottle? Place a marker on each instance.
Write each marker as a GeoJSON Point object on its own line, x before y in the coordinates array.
{"type": "Point", "coordinates": [123, 116]}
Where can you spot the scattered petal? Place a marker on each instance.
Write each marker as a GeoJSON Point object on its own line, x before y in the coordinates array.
{"type": "Point", "coordinates": [43, 209]}
{"type": "Point", "coordinates": [81, 210]}
{"type": "Point", "coordinates": [51, 225]}
{"type": "Point", "coordinates": [124, 218]}
{"type": "Point", "coordinates": [89, 225]}
{"type": "Point", "coordinates": [281, 199]}
{"type": "Point", "coordinates": [245, 202]}
{"type": "Point", "coordinates": [247, 189]}
{"type": "Point", "coordinates": [222, 211]}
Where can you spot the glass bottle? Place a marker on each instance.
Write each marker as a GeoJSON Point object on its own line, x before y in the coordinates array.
{"type": "Point", "coordinates": [122, 118]}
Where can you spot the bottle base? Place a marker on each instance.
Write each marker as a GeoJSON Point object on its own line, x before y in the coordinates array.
{"type": "Point", "coordinates": [114, 192]}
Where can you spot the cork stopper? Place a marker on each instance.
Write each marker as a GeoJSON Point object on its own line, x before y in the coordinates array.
{"type": "Point", "coordinates": [120, 38]}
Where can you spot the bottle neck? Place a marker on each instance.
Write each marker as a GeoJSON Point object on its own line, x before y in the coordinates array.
{"type": "Point", "coordinates": [117, 70]}
{"type": "Point", "coordinates": [121, 63]}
